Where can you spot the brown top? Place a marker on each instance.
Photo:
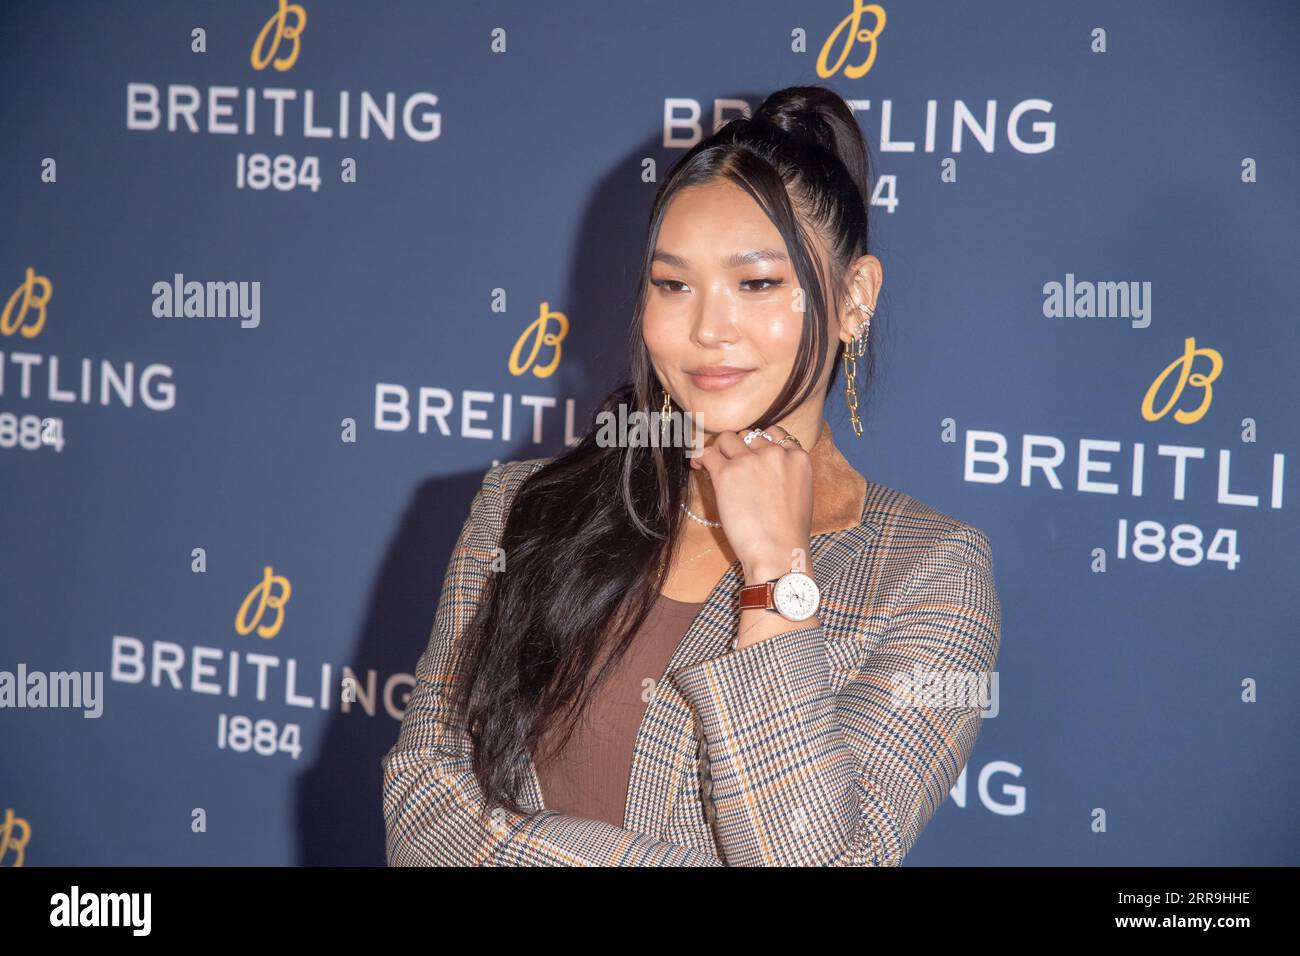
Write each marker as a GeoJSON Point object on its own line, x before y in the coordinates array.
{"type": "Point", "coordinates": [589, 778]}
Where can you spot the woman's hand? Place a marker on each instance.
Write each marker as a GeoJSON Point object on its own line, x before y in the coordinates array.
{"type": "Point", "coordinates": [764, 494]}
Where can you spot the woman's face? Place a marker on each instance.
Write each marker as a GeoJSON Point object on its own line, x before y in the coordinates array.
{"type": "Point", "coordinates": [722, 318]}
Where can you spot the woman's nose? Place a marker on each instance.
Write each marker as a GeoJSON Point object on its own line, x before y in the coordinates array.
{"type": "Point", "coordinates": [715, 318]}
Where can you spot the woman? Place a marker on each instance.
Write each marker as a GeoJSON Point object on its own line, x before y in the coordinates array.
{"type": "Point", "coordinates": [680, 659]}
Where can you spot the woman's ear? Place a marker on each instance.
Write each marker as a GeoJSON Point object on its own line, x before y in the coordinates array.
{"type": "Point", "coordinates": [861, 287]}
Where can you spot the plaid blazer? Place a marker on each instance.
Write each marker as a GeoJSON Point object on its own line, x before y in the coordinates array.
{"type": "Point", "coordinates": [791, 751]}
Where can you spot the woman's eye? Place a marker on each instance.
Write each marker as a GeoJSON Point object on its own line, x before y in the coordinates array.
{"type": "Point", "coordinates": [749, 285]}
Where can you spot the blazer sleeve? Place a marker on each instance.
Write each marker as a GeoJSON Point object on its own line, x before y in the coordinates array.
{"type": "Point", "coordinates": [800, 776]}
{"type": "Point", "coordinates": [434, 811]}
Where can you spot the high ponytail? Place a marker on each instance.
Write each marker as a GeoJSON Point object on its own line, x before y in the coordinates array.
{"type": "Point", "coordinates": [821, 116]}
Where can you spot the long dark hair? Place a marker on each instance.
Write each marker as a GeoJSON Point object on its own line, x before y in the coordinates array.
{"type": "Point", "coordinates": [586, 532]}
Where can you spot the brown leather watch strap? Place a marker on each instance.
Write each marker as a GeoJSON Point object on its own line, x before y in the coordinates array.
{"type": "Point", "coordinates": [757, 596]}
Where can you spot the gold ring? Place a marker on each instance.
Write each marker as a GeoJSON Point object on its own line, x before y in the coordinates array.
{"type": "Point", "coordinates": [789, 438]}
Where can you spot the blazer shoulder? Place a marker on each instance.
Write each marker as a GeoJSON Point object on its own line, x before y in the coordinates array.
{"type": "Point", "coordinates": [522, 467]}
{"type": "Point", "coordinates": [912, 524]}
{"type": "Point", "coordinates": [505, 479]}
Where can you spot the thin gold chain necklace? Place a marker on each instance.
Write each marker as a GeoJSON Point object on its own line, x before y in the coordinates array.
{"type": "Point", "coordinates": [689, 561]}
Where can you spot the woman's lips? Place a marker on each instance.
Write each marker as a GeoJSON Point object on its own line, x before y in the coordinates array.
{"type": "Point", "coordinates": [714, 381]}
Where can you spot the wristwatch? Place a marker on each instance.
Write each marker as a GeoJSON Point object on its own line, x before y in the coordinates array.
{"type": "Point", "coordinates": [795, 596]}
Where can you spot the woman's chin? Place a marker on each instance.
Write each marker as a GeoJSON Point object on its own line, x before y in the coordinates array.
{"type": "Point", "coordinates": [715, 413]}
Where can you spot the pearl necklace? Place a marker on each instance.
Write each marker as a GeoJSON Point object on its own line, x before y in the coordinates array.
{"type": "Point", "coordinates": [696, 518]}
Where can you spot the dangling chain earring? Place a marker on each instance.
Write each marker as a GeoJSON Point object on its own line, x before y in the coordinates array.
{"type": "Point", "coordinates": [857, 345]}
{"type": "Point", "coordinates": [667, 408]}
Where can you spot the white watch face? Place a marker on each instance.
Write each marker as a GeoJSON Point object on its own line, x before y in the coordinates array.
{"type": "Point", "coordinates": [796, 596]}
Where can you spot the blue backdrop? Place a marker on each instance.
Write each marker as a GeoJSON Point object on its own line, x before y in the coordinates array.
{"type": "Point", "coordinates": [232, 502]}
